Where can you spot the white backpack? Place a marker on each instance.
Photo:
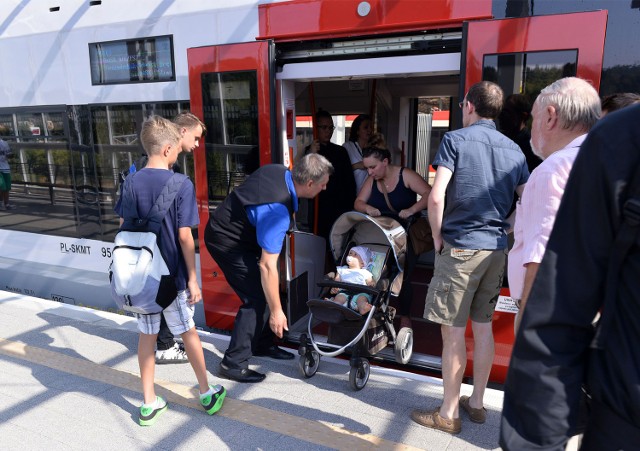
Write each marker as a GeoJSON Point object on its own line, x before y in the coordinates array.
{"type": "Point", "coordinates": [140, 279]}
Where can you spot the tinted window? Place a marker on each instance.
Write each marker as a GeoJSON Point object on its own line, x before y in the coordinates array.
{"type": "Point", "coordinates": [529, 73]}
{"type": "Point", "coordinates": [230, 102]}
{"type": "Point", "coordinates": [621, 65]}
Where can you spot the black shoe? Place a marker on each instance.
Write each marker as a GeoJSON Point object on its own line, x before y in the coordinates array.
{"type": "Point", "coordinates": [274, 352]}
{"type": "Point", "coordinates": [240, 374]}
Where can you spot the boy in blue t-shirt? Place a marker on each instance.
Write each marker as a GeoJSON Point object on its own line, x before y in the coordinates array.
{"type": "Point", "coordinates": [161, 140]}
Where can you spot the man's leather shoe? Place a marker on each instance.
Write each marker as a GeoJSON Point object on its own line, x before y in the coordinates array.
{"type": "Point", "coordinates": [240, 374]}
{"type": "Point", "coordinates": [274, 352]}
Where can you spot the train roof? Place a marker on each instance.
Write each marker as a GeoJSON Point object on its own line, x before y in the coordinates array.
{"type": "Point", "coordinates": [22, 18]}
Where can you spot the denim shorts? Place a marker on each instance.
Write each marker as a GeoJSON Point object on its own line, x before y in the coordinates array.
{"type": "Point", "coordinates": [179, 317]}
{"type": "Point", "coordinates": [466, 284]}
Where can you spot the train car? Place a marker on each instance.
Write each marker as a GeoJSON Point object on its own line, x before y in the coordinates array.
{"type": "Point", "coordinates": [80, 76]}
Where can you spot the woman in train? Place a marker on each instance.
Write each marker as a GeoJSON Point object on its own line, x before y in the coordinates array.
{"type": "Point", "coordinates": [358, 139]}
{"type": "Point", "coordinates": [392, 190]}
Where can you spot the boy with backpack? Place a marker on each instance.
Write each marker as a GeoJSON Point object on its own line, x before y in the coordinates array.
{"type": "Point", "coordinates": [192, 130]}
{"type": "Point", "coordinates": [161, 140]}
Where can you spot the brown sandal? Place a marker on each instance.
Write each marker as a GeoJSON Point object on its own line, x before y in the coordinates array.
{"type": "Point", "coordinates": [432, 419]}
{"type": "Point", "coordinates": [475, 415]}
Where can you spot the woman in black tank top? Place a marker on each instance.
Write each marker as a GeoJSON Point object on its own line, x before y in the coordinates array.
{"type": "Point", "coordinates": [403, 186]}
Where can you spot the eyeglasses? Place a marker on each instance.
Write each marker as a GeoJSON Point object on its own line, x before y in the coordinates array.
{"type": "Point", "coordinates": [326, 127]}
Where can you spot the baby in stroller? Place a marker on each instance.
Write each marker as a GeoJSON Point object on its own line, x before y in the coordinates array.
{"type": "Point", "coordinates": [354, 272]}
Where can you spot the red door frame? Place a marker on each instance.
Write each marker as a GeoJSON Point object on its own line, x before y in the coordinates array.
{"type": "Point", "coordinates": [582, 31]}
{"type": "Point", "coordinates": [220, 301]}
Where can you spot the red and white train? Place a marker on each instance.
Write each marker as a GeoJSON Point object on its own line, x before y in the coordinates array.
{"type": "Point", "coordinates": [79, 77]}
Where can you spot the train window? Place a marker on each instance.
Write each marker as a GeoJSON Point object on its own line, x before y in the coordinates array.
{"type": "Point", "coordinates": [30, 125]}
{"type": "Point", "coordinates": [131, 61]}
{"type": "Point", "coordinates": [117, 124]}
{"type": "Point", "coordinates": [231, 116]}
{"type": "Point", "coordinates": [6, 125]}
{"type": "Point", "coordinates": [54, 126]}
{"type": "Point", "coordinates": [527, 73]}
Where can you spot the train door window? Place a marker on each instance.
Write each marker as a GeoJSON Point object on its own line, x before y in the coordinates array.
{"type": "Point", "coordinates": [230, 104]}
{"type": "Point", "coordinates": [529, 72]}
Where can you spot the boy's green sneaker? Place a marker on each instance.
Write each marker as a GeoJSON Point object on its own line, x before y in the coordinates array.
{"type": "Point", "coordinates": [212, 402]}
{"type": "Point", "coordinates": [149, 415]}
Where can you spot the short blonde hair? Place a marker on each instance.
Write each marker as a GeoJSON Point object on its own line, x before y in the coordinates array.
{"type": "Point", "coordinates": [190, 121]}
{"type": "Point", "coordinates": [157, 132]}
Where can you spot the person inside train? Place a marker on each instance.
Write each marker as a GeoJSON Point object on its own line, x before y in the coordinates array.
{"type": "Point", "coordinates": [5, 172]}
{"type": "Point", "coordinates": [617, 101]}
{"type": "Point", "coordinates": [358, 139]}
{"type": "Point", "coordinates": [392, 190]}
{"type": "Point", "coordinates": [513, 120]}
{"type": "Point", "coordinates": [340, 194]}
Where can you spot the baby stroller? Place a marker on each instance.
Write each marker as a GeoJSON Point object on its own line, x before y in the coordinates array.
{"type": "Point", "coordinates": [362, 335]}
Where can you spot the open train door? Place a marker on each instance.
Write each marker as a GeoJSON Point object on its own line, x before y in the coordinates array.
{"type": "Point", "coordinates": [524, 55]}
{"type": "Point", "coordinates": [231, 90]}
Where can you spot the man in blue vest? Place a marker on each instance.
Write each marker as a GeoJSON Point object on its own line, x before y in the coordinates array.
{"type": "Point", "coordinates": [245, 236]}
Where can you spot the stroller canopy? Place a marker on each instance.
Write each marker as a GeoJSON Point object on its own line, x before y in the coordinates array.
{"type": "Point", "coordinates": [362, 229]}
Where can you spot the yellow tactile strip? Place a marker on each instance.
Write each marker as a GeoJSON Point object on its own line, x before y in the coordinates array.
{"type": "Point", "coordinates": [308, 430]}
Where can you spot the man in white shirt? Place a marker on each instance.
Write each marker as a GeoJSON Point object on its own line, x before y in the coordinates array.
{"type": "Point", "coordinates": [563, 114]}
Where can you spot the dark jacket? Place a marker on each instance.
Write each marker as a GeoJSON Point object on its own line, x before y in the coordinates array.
{"type": "Point", "coordinates": [340, 194]}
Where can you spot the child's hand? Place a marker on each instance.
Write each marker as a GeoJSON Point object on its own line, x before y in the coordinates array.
{"type": "Point", "coordinates": [195, 293]}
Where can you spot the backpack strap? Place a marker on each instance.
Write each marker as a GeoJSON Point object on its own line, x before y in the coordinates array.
{"type": "Point", "coordinates": [153, 221]}
{"type": "Point", "coordinates": [624, 239]}
{"type": "Point", "coordinates": [164, 201]}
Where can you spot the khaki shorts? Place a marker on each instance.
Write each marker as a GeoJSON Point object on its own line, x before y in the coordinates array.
{"type": "Point", "coordinates": [466, 284]}
{"type": "Point", "coordinates": [179, 317]}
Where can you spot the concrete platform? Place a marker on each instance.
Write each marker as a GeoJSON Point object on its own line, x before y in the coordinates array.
{"type": "Point", "coordinates": [69, 379]}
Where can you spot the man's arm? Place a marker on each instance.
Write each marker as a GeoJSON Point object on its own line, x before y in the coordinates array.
{"type": "Point", "coordinates": [188, 249]}
{"type": "Point", "coordinates": [511, 220]}
{"type": "Point", "coordinates": [436, 204]}
{"type": "Point", "coordinates": [268, 265]}
{"type": "Point", "coordinates": [529, 276]}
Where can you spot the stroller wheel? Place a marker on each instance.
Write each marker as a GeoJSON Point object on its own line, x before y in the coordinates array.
{"type": "Point", "coordinates": [302, 349]}
{"type": "Point", "coordinates": [309, 363]}
{"type": "Point", "coordinates": [359, 374]}
{"type": "Point", "coordinates": [404, 345]}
